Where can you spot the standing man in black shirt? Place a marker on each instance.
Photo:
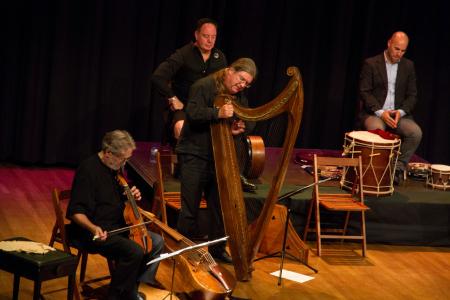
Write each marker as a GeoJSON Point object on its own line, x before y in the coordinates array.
{"type": "Point", "coordinates": [194, 148]}
{"type": "Point", "coordinates": [176, 74]}
{"type": "Point", "coordinates": [97, 206]}
{"type": "Point", "coordinates": [174, 77]}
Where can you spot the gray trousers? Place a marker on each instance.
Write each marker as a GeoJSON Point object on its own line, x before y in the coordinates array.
{"type": "Point", "coordinates": [407, 129]}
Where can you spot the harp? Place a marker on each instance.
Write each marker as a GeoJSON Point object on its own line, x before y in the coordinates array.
{"type": "Point", "coordinates": [245, 239]}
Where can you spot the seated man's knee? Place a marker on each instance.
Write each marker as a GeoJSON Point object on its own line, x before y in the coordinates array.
{"type": "Point", "coordinates": [373, 122]}
{"type": "Point", "coordinates": [136, 252]}
{"type": "Point", "coordinates": [412, 130]}
{"type": "Point", "coordinates": [157, 244]}
{"type": "Point", "coordinates": [418, 133]}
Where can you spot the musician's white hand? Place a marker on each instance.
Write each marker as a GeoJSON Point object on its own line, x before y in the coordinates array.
{"type": "Point", "coordinates": [237, 127]}
{"type": "Point", "coordinates": [396, 116]}
{"type": "Point", "coordinates": [387, 118]}
{"type": "Point", "coordinates": [99, 234]}
{"type": "Point", "coordinates": [136, 193]}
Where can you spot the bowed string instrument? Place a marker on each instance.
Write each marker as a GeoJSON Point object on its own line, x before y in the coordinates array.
{"type": "Point", "coordinates": [133, 218]}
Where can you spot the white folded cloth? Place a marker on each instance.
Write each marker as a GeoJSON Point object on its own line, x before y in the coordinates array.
{"type": "Point", "coordinates": [25, 246]}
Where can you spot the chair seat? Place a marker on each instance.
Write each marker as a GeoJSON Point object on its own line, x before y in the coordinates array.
{"type": "Point", "coordinates": [173, 200]}
{"type": "Point", "coordinates": [344, 205]}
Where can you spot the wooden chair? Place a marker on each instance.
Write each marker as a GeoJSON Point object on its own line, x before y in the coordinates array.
{"type": "Point", "coordinates": [60, 200]}
{"type": "Point", "coordinates": [338, 202]}
{"type": "Point", "coordinates": [162, 198]}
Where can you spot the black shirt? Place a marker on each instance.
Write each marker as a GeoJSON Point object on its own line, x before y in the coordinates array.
{"type": "Point", "coordinates": [176, 74]}
{"type": "Point", "coordinates": [97, 194]}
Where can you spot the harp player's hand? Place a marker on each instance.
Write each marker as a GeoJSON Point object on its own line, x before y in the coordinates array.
{"type": "Point", "coordinates": [226, 111]}
{"type": "Point", "coordinates": [237, 127]}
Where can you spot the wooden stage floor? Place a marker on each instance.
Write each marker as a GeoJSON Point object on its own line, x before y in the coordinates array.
{"type": "Point", "coordinates": [388, 272]}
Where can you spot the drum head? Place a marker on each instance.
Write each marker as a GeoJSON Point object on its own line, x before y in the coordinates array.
{"type": "Point", "coordinates": [442, 168]}
{"type": "Point", "coordinates": [370, 137]}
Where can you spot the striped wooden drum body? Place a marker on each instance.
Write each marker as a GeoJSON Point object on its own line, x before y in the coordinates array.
{"type": "Point", "coordinates": [379, 158]}
{"type": "Point", "coordinates": [439, 177]}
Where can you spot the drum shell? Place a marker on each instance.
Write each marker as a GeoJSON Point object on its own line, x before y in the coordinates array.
{"type": "Point", "coordinates": [378, 163]}
{"type": "Point", "coordinates": [439, 177]}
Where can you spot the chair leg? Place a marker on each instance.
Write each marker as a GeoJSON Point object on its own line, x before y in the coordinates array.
{"type": "Point", "coordinates": [363, 233]}
{"type": "Point", "coordinates": [344, 229]}
{"type": "Point", "coordinates": [77, 289]}
{"type": "Point", "coordinates": [84, 257]}
{"type": "Point", "coordinates": [16, 287]}
{"type": "Point", "coordinates": [71, 286]}
{"type": "Point", "coordinates": [37, 289]}
{"type": "Point", "coordinates": [318, 233]}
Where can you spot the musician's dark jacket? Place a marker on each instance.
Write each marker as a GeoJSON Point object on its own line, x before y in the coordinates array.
{"type": "Point", "coordinates": [196, 133]}
{"type": "Point", "coordinates": [373, 86]}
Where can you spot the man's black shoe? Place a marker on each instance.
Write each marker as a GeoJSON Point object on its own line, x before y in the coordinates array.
{"type": "Point", "coordinates": [247, 186]}
{"type": "Point", "coordinates": [222, 257]}
{"type": "Point", "coordinates": [398, 177]}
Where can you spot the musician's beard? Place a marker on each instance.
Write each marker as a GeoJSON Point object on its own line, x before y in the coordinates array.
{"type": "Point", "coordinates": [113, 165]}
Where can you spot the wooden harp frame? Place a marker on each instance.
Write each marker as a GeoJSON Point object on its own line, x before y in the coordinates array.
{"type": "Point", "coordinates": [245, 239]}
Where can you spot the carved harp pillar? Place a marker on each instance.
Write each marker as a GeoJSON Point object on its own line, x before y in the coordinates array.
{"type": "Point", "coordinates": [245, 239]}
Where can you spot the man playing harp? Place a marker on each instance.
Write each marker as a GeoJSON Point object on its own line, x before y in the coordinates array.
{"type": "Point", "coordinates": [194, 149]}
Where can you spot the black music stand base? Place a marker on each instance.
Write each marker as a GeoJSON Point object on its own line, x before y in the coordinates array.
{"type": "Point", "coordinates": [172, 281]}
{"type": "Point", "coordinates": [283, 252]}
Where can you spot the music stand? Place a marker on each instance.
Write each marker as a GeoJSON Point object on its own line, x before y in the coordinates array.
{"type": "Point", "coordinates": [172, 255]}
{"type": "Point", "coordinates": [283, 253]}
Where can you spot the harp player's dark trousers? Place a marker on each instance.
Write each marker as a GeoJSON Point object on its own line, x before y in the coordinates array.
{"type": "Point", "coordinates": [198, 178]}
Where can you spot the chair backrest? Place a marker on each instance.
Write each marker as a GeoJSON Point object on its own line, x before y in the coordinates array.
{"type": "Point", "coordinates": [60, 200]}
{"type": "Point", "coordinates": [356, 162]}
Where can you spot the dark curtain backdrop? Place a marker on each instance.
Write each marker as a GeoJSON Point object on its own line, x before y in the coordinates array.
{"type": "Point", "coordinates": [72, 70]}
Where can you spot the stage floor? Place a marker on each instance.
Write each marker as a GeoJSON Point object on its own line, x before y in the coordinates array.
{"type": "Point", "coordinates": [403, 272]}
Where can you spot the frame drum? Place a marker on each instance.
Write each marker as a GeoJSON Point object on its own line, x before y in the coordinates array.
{"type": "Point", "coordinates": [379, 158]}
{"type": "Point", "coordinates": [439, 177]}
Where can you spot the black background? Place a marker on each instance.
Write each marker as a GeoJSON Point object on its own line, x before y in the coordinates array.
{"type": "Point", "coordinates": [72, 70]}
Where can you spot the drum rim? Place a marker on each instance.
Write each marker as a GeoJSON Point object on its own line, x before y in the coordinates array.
{"type": "Point", "coordinates": [375, 145]}
{"type": "Point", "coordinates": [385, 141]}
{"type": "Point", "coordinates": [438, 168]}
